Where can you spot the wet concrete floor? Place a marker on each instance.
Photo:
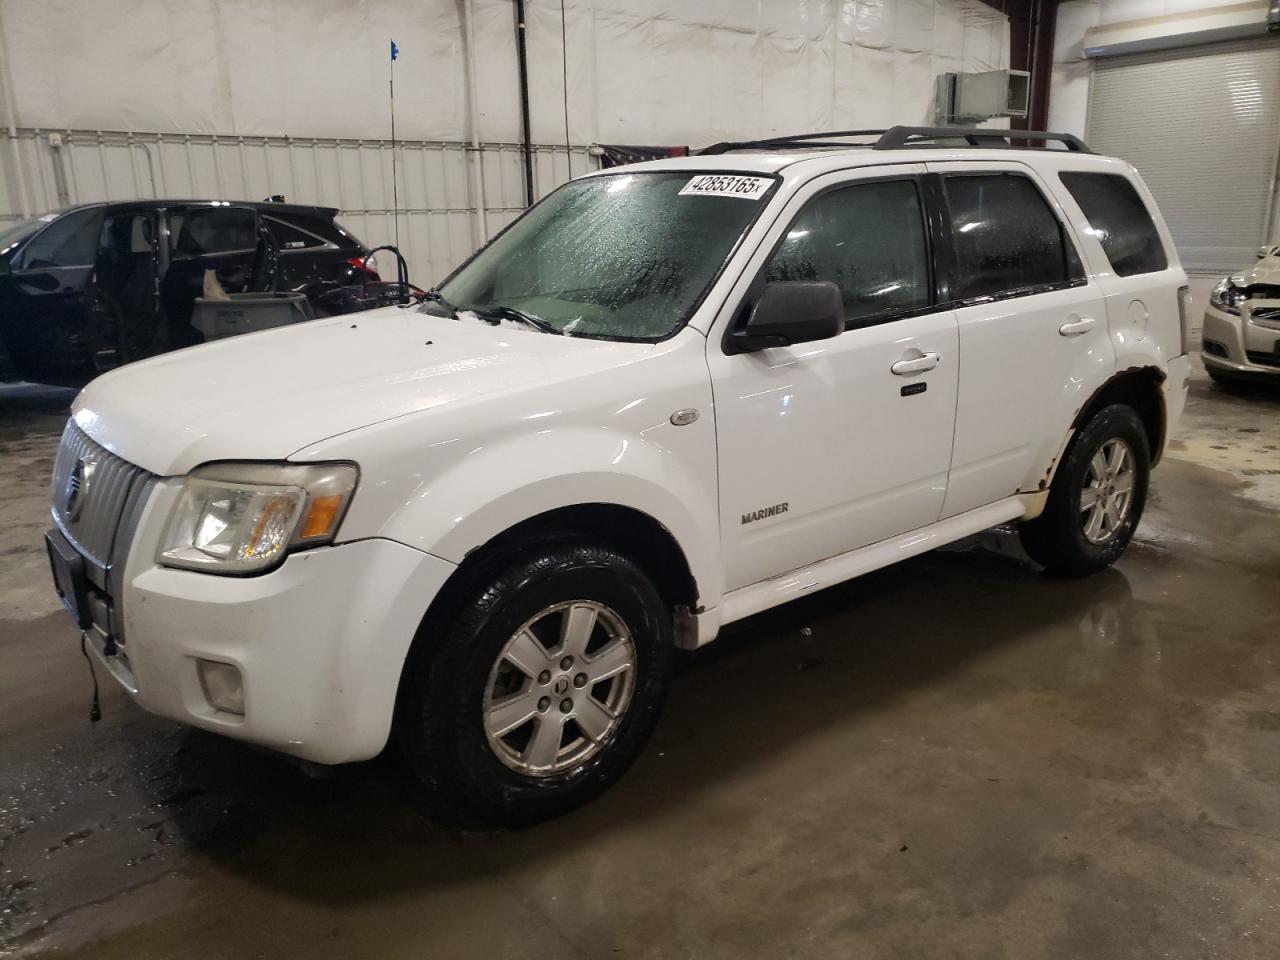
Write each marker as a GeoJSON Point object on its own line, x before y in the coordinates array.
{"type": "Point", "coordinates": [955, 757]}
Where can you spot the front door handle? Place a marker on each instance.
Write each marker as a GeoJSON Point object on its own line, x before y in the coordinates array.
{"type": "Point", "coordinates": [919, 365]}
{"type": "Point", "coordinates": [1076, 327]}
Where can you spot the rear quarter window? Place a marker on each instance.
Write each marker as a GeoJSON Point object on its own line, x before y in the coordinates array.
{"type": "Point", "coordinates": [326, 227]}
{"type": "Point", "coordinates": [293, 236]}
{"type": "Point", "coordinates": [1120, 221]}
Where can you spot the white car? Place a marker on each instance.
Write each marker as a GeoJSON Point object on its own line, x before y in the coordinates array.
{"type": "Point", "coordinates": [668, 397]}
{"type": "Point", "coordinates": [1241, 337]}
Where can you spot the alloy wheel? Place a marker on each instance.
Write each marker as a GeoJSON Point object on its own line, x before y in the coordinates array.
{"type": "Point", "coordinates": [559, 688]}
{"type": "Point", "coordinates": [1107, 496]}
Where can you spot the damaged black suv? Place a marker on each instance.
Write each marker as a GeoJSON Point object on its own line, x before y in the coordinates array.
{"type": "Point", "coordinates": [88, 288]}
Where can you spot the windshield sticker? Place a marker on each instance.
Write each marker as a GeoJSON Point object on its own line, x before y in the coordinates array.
{"type": "Point", "coordinates": [724, 185]}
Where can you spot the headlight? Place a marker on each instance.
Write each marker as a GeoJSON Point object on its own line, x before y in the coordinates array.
{"type": "Point", "coordinates": [244, 517]}
{"type": "Point", "coordinates": [1227, 296]}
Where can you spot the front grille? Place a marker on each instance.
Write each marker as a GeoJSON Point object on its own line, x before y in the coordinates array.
{"type": "Point", "coordinates": [102, 486]}
{"type": "Point", "coordinates": [1263, 359]}
{"type": "Point", "coordinates": [1268, 317]}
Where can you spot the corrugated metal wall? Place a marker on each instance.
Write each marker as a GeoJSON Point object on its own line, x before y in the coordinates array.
{"type": "Point", "coordinates": [438, 223]}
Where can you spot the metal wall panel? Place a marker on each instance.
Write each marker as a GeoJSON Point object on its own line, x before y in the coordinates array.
{"type": "Point", "coordinates": [437, 212]}
{"type": "Point", "coordinates": [1202, 125]}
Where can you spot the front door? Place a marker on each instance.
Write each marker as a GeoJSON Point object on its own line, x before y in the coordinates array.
{"type": "Point", "coordinates": [43, 303]}
{"type": "Point", "coordinates": [829, 446]}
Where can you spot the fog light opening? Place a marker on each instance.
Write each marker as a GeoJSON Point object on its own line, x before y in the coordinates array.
{"type": "Point", "coordinates": [222, 686]}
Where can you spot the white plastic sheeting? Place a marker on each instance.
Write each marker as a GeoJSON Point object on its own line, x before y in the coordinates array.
{"type": "Point", "coordinates": [237, 99]}
{"type": "Point", "coordinates": [640, 71]}
{"type": "Point", "coordinates": [664, 72]}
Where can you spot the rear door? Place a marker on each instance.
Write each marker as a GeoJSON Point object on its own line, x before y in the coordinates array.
{"type": "Point", "coordinates": [1033, 329]}
{"type": "Point", "coordinates": [221, 238]}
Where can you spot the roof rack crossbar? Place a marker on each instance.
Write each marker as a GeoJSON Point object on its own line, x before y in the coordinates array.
{"type": "Point", "coordinates": [897, 138]}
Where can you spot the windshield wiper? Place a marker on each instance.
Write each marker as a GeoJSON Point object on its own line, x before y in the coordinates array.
{"type": "Point", "coordinates": [435, 296]}
{"type": "Point", "coordinates": [511, 313]}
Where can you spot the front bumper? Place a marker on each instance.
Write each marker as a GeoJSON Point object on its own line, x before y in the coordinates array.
{"type": "Point", "coordinates": [1241, 343]}
{"type": "Point", "coordinates": [319, 642]}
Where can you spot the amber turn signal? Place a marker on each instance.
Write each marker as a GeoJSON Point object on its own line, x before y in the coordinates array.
{"type": "Point", "coordinates": [322, 516]}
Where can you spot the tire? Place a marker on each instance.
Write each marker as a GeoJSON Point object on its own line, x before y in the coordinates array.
{"type": "Point", "coordinates": [462, 687]}
{"type": "Point", "coordinates": [1067, 539]}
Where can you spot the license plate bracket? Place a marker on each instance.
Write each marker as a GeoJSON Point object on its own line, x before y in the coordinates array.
{"type": "Point", "coordinates": [69, 577]}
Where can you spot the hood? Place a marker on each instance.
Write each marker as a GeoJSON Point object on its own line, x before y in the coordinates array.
{"type": "Point", "coordinates": [263, 396]}
{"type": "Point", "coordinates": [1265, 272]}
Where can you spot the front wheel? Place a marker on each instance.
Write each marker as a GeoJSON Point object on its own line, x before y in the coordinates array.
{"type": "Point", "coordinates": [1096, 499]}
{"type": "Point", "coordinates": [541, 691]}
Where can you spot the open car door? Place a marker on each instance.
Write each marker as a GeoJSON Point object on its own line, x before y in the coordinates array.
{"type": "Point", "coordinates": [124, 302]}
{"type": "Point", "coordinates": [229, 240]}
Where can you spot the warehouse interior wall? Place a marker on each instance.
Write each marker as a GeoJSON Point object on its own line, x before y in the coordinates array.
{"type": "Point", "coordinates": [1173, 22]}
{"type": "Point", "coordinates": [239, 99]}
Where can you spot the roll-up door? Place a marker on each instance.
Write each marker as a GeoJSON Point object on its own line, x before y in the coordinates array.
{"type": "Point", "coordinates": [1202, 125]}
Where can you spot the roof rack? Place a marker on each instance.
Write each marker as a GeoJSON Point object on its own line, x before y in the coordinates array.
{"type": "Point", "coordinates": [898, 138]}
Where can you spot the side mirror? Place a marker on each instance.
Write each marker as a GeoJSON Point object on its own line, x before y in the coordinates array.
{"type": "Point", "coordinates": [791, 311]}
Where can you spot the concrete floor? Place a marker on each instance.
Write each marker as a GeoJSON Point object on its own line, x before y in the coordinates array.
{"type": "Point", "coordinates": [955, 757]}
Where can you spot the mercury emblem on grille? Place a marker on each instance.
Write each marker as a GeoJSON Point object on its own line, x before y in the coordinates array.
{"type": "Point", "coordinates": [77, 488]}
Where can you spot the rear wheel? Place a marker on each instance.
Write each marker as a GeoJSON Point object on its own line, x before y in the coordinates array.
{"type": "Point", "coordinates": [1096, 499]}
{"type": "Point", "coordinates": [541, 691]}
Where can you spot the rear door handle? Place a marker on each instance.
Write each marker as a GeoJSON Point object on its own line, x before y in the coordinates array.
{"type": "Point", "coordinates": [1076, 327]}
{"type": "Point", "coordinates": [919, 365]}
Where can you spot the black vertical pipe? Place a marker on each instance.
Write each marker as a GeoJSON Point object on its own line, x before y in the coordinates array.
{"type": "Point", "coordinates": [523, 56]}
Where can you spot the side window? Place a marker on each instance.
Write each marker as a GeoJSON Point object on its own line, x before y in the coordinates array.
{"type": "Point", "coordinates": [70, 241]}
{"type": "Point", "coordinates": [1120, 221]}
{"type": "Point", "coordinates": [212, 230]}
{"type": "Point", "coordinates": [1006, 237]}
{"type": "Point", "coordinates": [291, 237]}
{"type": "Point", "coordinates": [127, 233]}
{"type": "Point", "coordinates": [869, 240]}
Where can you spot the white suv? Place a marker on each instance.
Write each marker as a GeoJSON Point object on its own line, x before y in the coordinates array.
{"type": "Point", "coordinates": [668, 397]}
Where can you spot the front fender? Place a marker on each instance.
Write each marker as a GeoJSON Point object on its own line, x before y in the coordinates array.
{"type": "Point", "coordinates": [500, 485]}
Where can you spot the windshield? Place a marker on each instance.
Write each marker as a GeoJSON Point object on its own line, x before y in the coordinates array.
{"type": "Point", "coordinates": [15, 233]}
{"type": "Point", "coordinates": [623, 256]}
